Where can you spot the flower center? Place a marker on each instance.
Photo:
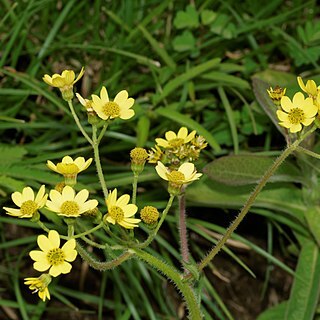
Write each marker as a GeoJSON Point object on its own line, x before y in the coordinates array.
{"type": "Point", "coordinates": [176, 177]}
{"type": "Point", "coordinates": [111, 109]}
{"type": "Point", "coordinates": [116, 213]}
{"type": "Point", "coordinates": [55, 256]}
{"type": "Point", "coordinates": [177, 142]}
{"type": "Point", "coordinates": [28, 208]}
{"type": "Point", "coordinates": [296, 115]}
{"type": "Point", "coordinates": [69, 169]}
{"type": "Point", "coordinates": [70, 208]}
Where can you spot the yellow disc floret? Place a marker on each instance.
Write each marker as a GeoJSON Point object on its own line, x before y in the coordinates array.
{"type": "Point", "coordinates": [149, 214]}
{"type": "Point", "coordinates": [111, 109]}
{"type": "Point", "coordinates": [56, 256]}
{"type": "Point", "coordinates": [70, 208]}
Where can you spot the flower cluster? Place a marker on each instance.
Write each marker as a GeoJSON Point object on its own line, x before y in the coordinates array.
{"type": "Point", "coordinates": [299, 112]}
{"type": "Point", "coordinates": [177, 148]}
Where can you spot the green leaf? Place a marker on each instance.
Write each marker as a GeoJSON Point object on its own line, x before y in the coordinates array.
{"type": "Point", "coordinates": [183, 78]}
{"type": "Point", "coordinates": [11, 154]}
{"type": "Point", "coordinates": [306, 286]}
{"type": "Point", "coordinates": [11, 184]}
{"type": "Point", "coordinates": [280, 197]}
{"type": "Point", "coordinates": [274, 313]}
{"type": "Point", "coordinates": [187, 19]}
{"type": "Point", "coordinates": [207, 16]}
{"type": "Point", "coordinates": [313, 219]}
{"type": "Point", "coordinates": [184, 42]}
{"type": "Point", "coordinates": [245, 169]}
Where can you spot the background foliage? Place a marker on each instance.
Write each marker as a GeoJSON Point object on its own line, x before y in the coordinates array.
{"type": "Point", "coordinates": [186, 63]}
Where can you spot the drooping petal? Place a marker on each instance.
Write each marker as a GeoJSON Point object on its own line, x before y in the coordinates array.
{"type": "Point", "coordinates": [13, 212]}
{"type": "Point", "coordinates": [79, 75]}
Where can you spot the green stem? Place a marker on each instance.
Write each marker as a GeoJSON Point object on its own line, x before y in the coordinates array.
{"type": "Point", "coordinates": [95, 146]}
{"type": "Point", "coordinates": [70, 231]}
{"type": "Point", "coordinates": [263, 181]}
{"type": "Point", "coordinates": [183, 229]}
{"type": "Point", "coordinates": [175, 276]}
{"type": "Point", "coordinates": [155, 231]}
{"type": "Point", "coordinates": [102, 266]}
{"type": "Point", "coordinates": [97, 227]}
{"type": "Point", "coordinates": [77, 121]}
{"type": "Point", "coordinates": [102, 132]}
{"type": "Point", "coordinates": [308, 152]}
{"type": "Point", "coordinates": [43, 226]}
{"type": "Point", "coordinates": [134, 188]}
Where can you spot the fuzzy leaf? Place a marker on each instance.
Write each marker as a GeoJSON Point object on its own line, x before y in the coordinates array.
{"type": "Point", "coordinates": [248, 169]}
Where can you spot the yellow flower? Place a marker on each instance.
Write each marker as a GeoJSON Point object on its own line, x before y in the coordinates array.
{"type": "Point", "coordinates": [64, 80]}
{"type": "Point", "coordinates": [119, 211]}
{"type": "Point", "coordinates": [27, 203]}
{"type": "Point", "coordinates": [184, 175]}
{"type": "Point", "coordinates": [68, 204]}
{"type": "Point", "coordinates": [53, 257]}
{"type": "Point", "coordinates": [149, 215]}
{"type": "Point", "coordinates": [155, 154]}
{"type": "Point", "coordinates": [310, 88]}
{"type": "Point", "coordinates": [39, 285]}
{"type": "Point", "coordinates": [298, 111]}
{"type": "Point", "coordinates": [85, 102]}
{"type": "Point", "coordinates": [119, 108]}
{"type": "Point", "coordinates": [68, 167]}
{"type": "Point", "coordinates": [174, 140]}
{"type": "Point", "coordinates": [276, 94]}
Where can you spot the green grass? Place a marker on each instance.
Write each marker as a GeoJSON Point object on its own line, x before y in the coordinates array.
{"type": "Point", "coordinates": [193, 71]}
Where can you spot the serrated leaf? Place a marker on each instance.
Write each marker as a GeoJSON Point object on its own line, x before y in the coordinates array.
{"type": "Point", "coordinates": [187, 19]}
{"type": "Point", "coordinates": [240, 170]}
{"type": "Point", "coordinates": [184, 42]}
{"type": "Point", "coordinates": [306, 287]}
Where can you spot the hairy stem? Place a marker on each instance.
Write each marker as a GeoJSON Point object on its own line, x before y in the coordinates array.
{"type": "Point", "coordinates": [155, 231]}
{"type": "Point", "coordinates": [174, 275]}
{"type": "Point", "coordinates": [105, 265]}
{"type": "Point", "coordinates": [263, 181]}
{"type": "Point", "coordinates": [183, 229]}
{"type": "Point", "coordinates": [134, 188]}
{"type": "Point", "coordinates": [95, 146]}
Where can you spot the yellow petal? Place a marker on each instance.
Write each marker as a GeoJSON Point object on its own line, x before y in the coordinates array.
{"type": "Point", "coordinates": [27, 194]}
{"type": "Point", "coordinates": [13, 212]}
{"type": "Point", "coordinates": [126, 114]}
{"type": "Point", "coordinates": [37, 255]}
{"type": "Point", "coordinates": [89, 205]}
{"type": "Point", "coordinates": [68, 76]}
{"type": "Point", "coordinates": [58, 82]}
{"type": "Point", "coordinates": [286, 104]}
{"type": "Point", "coordinates": [162, 142]}
{"type": "Point", "coordinates": [130, 210]}
{"type": "Point", "coordinates": [162, 170]}
{"type": "Point", "coordinates": [308, 121]}
{"type": "Point", "coordinates": [104, 95]}
{"type": "Point", "coordinates": [79, 75]}
{"type": "Point", "coordinates": [17, 198]}
{"type": "Point", "coordinates": [67, 160]}
{"type": "Point", "coordinates": [121, 97]}
{"type": "Point", "coordinates": [112, 198]}
{"type": "Point", "coordinates": [123, 200]}
{"type": "Point", "coordinates": [47, 79]}
{"type": "Point", "coordinates": [54, 238]}
{"type": "Point", "coordinates": [127, 104]}
{"type": "Point", "coordinates": [82, 196]}
{"type": "Point", "coordinates": [52, 166]}
{"type": "Point", "coordinates": [68, 193]}
{"type": "Point", "coordinates": [190, 136]}
{"type": "Point", "coordinates": [298, 99]}
{"type": "Point", "coordinates": [41, 265]}
{"type": "Point", "coordinates": [296, 128]}
{"type": "Point", "coordinates": [301, 84]}
{"type": "Point", "coordinates": [182, 133]}
{"type": "Point", "coordinates": [40, 194]}
{"type": "Point", "coordinates": [170, 135]}
{"type": "Point", "coordinates": [282, 116]}
{"type": "Point", "coordinates": [187, 169]}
